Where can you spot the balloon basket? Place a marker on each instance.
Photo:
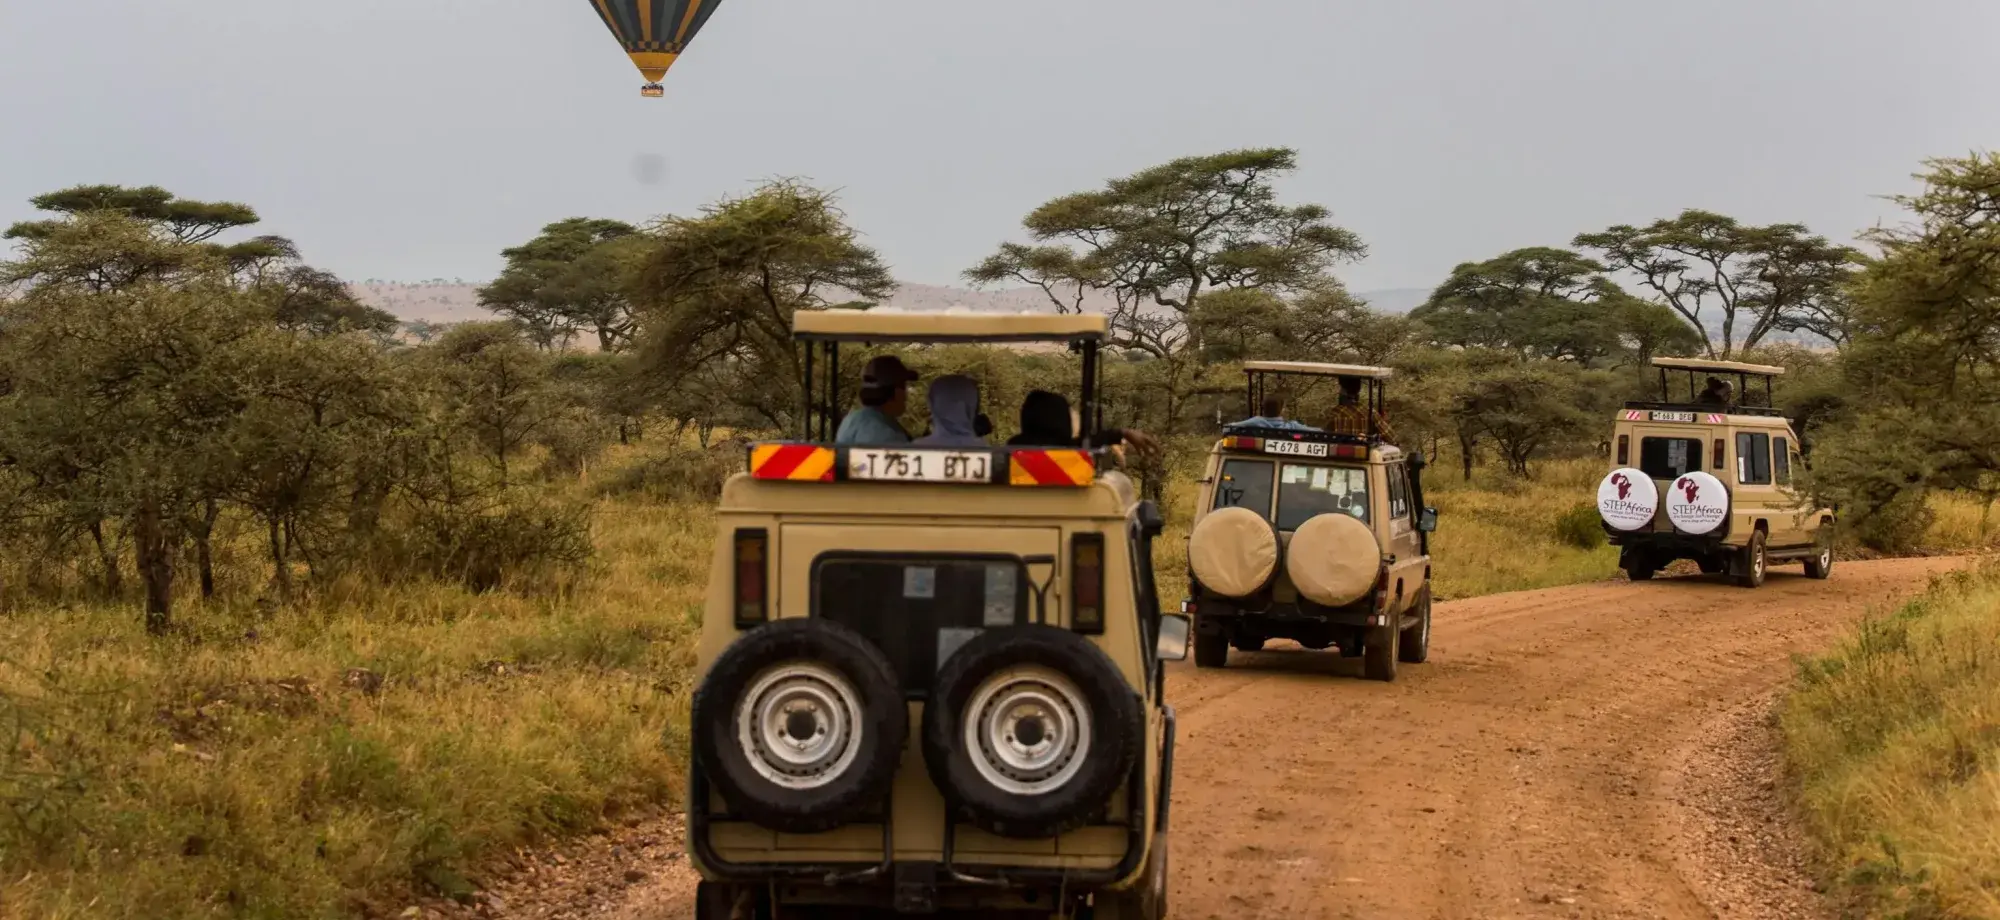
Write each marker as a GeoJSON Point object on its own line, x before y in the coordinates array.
{"type": "Point", "coordinates": [652, 90]}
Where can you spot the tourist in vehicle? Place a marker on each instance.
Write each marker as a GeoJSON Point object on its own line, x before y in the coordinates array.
{"type": "Point", "coordinates": [1046, 421]}
{"type": "Point", "coordinates": [885, 396]}
{"type": "Point", "coordinates": [1718, 393]}
{"type": "Point", "coordinates": [954, 400]}
{"type": "Point", "coordinates": [1271, 414]}
{"type": "Point", "coordinates": [1350, 417]}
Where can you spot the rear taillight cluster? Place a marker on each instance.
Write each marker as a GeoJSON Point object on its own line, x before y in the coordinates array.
{"type": "Point", "coordinates": [1624, 450]}
{"type": "Point", "coordinates": [1086, 575]}
{"type": "Point", "coordinates": [753, 573]}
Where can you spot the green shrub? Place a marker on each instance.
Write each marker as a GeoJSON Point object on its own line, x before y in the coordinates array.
{"type": "Point", "coordinates": [681, 474]}
{"type": "Point", "coordinates": [1579, 527]}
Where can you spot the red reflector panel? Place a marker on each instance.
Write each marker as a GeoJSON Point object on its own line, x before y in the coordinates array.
{"type": "Point", "coordinates": [752, 575]}
{"type": "Point", "coordinates": [1086, 574]}
{"type": "Point", "coordinates": [1240, 443]}
{"type": "Point", "coordinates": [795, 462]}
{"type": "Point", "coordinates": [1050, 468]}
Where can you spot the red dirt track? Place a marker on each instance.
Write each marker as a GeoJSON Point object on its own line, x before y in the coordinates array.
{"type": "Point", "coordinates": [1592, 751]}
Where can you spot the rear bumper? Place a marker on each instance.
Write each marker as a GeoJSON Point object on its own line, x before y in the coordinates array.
{"type": "Point", "coordinates": [1676, 544]}
{"type": "Point", "coordinates": [1216, 612]}
{"type": "Point", "coordinates": [913, 886]}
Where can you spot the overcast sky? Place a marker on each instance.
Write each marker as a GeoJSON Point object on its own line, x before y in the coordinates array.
{"type": "Point", "coordinates": [410, 139]}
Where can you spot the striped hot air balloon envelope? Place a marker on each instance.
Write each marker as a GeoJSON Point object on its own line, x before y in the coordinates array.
{"type": "Point", "coordinates": [654, 33]}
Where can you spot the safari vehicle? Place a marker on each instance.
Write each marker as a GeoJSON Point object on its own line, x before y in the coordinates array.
{"type": "Point", "coordinates": [931, 681]}
{"type": "Point", "coordinates": [1317, 536]}
{"type": "Point", "coordinates": [1709, 477]}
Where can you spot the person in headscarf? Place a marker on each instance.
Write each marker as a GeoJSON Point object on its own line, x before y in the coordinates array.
{"type": "Point", "coordinates": [1046, 421]}
{"type": "Point", "coordinates": [954, 400]}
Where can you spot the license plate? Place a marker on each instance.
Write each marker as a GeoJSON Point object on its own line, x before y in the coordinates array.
{"type": "Point", "coordinates": [1673, 416]}
{"type": "Point", "coordinates": [919, 465]}
{"type": "Point", "coordinates": [1295, 448]}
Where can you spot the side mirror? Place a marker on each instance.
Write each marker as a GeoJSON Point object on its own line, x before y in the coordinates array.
{"type": "Point", "coordinates": [1427, 520]}
{"type": "Point", "coordinates": [1173, 643]}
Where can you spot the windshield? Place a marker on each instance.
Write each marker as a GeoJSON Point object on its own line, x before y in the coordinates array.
{"type": "Point", "coordinates": [1305, 491]}
{"type": "Point", "coordinates": [1669, 458]}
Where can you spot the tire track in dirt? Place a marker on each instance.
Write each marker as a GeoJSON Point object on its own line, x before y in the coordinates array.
{"type": "Point", "coordinates": [1566, 753]}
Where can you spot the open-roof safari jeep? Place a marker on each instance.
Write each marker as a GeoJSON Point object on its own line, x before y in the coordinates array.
{"type": "Point", "coordinates": [1315, 535]}
{"type": "Point", "coordinates": [930, 680]}
{"type": "Point", "coordinates": [1709, 477]}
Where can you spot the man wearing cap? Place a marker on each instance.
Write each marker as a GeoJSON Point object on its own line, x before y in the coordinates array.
{"type": "Point", "coordinates": [885, 394]}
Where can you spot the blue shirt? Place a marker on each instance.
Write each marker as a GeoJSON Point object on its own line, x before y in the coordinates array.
{"type": "Point", "coordinates": [871, 426]}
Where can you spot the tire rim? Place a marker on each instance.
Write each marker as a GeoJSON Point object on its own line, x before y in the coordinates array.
{"type": "Point", "coordinates": [1757, 561]}
{"type": "Point", "coordinates": [799, 725]}
{"type": "Point", "coordinates": [1426, 634]}
{"type": "Point", "coordinates": [1028, 730]}
{"type": "Point", "coordinates": [1825, 558]}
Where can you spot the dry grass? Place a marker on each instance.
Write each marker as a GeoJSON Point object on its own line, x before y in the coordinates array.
{"type": "Point", "coordinates": [1894, 738]}
{"type": "Point", "coordinates": [246, 769]}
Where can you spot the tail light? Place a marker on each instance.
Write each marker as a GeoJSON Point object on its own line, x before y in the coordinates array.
{"type": "Point", "coordinates": [1086, 576]}
{"type": "Point", "coordinates": [1624, 449]}
{"type": "Point", "coordinates": [1718, 453]}
{"type": "Point", "coordinates": [1242, 443]}
{"type": "Point", "coordinates": [752, 577]}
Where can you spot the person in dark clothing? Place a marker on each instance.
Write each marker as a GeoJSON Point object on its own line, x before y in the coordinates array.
{"type": "Point", "coordinates": [1718, 393]}
{"type": "Point", "coordinates": [1047, 422]}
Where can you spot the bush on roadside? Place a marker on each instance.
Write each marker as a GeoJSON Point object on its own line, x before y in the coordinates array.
{"type": "Point", "coordinates": [1578, 526]}
{"type": "Point", "coordinates": [1894, 741]}
{"type": "Point", "coordinates": [682, 474]}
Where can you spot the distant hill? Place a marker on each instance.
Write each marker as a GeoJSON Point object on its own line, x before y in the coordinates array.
{"type": "Point", "coordinates": [440, 301]}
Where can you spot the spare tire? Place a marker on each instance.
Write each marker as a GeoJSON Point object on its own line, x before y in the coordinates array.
{"type": "Point", "coordinates": [1029, 729]}
{"type": "Point", "coordinates": [1333, 560]}
{"type": "Point", "coordinates": [1233, 552]}
{"type": "Point", "coordinates": [800, 724]}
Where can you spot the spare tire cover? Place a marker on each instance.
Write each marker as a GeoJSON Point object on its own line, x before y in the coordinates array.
{"type": "Point", "coordinates": [1697, 503]}
{"type": "Point", "coordinates": [1627, 499]}
{"type": "Point", "coordinates": [1233, 552]}
{"type": "Point", "coordinates": [1333, 560]}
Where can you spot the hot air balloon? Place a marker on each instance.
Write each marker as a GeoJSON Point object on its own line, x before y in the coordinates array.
{"type": "Point", "coordinates": [654, 32]}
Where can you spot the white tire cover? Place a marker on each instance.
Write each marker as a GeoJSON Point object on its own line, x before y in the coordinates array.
{"type": "Point", "coordinates": [1697, 503]}
{"type": "Point", "coordinates": [1627, 499]}
{"type": "Point", "coordinates": [1333, 559]}
{"type": "Point", "coordinates": [1233, 552]}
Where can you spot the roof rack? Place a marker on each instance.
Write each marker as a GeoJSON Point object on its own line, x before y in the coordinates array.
{"type": "Point", "coordinates": [873, 326]}
{"type": "Point", "coordinates": [1307, 437]}
{"type": "Point", "coordinates": [1313, 369]}
{"type": "Point", "coordinates": [1719, 367]}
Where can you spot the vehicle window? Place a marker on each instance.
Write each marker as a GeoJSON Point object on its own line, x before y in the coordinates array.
{"type": "Point", "coordinates": [1305, 491]}
{"type": "Point", "coordinates": [1781, 460]}
{"type": "Point", "coordinates": [1245, 484]}
{"type": "Point", "coordinates": [918, 609]}
{"type": "Point", "coordinates": [1669, 458]}
{"type": "Point", "coordinates": [1753, 459]}
{"type": "Point", "coordinates": [1399, 493]}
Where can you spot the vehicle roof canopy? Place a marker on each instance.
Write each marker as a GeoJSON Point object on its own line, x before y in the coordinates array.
{"type": "Point", "coordinates": [1720, 367]}
{"type": "Point", "coordinates": [872, 326]}
{"type": "Point", "coordinates": [1314, 369]}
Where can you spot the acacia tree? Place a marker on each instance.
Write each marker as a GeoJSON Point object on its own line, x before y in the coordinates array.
{"type": "Point", "coordinates": [1152, 246]}
{"type": "Point", "coordinates": [574, 275]}
{"type": "Point", "coordinates": [1734, 283]}
{"type": "Point", "coordinates": [718, 292]}
{"type": "Point", "coordinates": [1924, 362]}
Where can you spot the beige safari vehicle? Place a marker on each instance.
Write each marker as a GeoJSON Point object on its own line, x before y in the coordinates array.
{"type": "Point", "coordinates": [930, 681]}
{"type": "Point", "coordinates": [1708, 475]}
{"type": "Point", "coordinates": [1315, 535]}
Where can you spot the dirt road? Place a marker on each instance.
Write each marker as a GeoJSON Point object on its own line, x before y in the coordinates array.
{"type": "Point", "coordinates": [1594, 751]}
